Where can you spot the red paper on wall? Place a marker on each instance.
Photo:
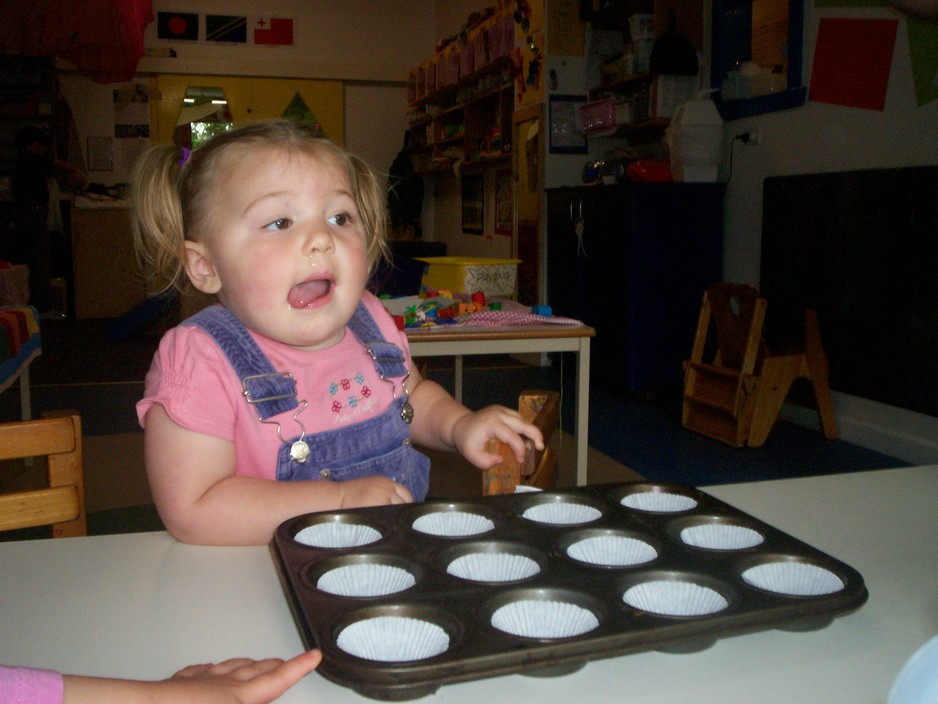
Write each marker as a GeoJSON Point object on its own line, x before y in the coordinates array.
{"type": "Point", "coordinates": [852, 60]}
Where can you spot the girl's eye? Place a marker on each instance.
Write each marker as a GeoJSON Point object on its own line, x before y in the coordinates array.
{"type": "Point", "coordinates": [340, 219]}
{"type": "Point", "coordinates": [278, 224]}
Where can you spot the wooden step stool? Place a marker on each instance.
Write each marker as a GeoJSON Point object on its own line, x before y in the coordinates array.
{"type": "Point", "coordinates": [737, 396]}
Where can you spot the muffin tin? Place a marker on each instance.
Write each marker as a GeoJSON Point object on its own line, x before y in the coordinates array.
{"type": "Point", "coordinates": [404, 599]}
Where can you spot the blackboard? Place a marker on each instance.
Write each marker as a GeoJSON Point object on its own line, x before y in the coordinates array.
{"type": "Point", "coordinates": [861, 248]}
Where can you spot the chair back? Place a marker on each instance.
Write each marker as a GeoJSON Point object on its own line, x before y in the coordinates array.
{"type": "Point", "coordinates": [62, 504]}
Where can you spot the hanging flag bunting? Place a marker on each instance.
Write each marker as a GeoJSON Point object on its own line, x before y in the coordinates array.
{"type": "Point", "coordinates": [177, 25]}
{"type": "Point", "coordinates": [226, 28]}
{"type": "Point", "coordinates": [273, 31]}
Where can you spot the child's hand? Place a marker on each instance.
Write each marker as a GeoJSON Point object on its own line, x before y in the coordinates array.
{"type": "Point", "coordinates": [373, 491]}
{"type": "Point", "coordinates": [473, 430]}
{"type": "Point", "coordinates": [244, 681]}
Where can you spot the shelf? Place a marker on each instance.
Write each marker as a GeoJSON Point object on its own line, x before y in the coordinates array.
{"type": "Point", "coordinates": [626, 84]}
{"type": "Point", "coordinates": [616, 15]}
{"type": "Point", "coordinates": [645, 131]}
{"type": "Point", "coordinates": [466, 81]}
{"type": "Point", "coordinates": [484, 162]}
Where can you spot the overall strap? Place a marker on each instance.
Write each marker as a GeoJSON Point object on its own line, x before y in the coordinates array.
{"type": "Point", "coordinates": [269, 391]}
{"type": "Point", "coordinates": [388, 357]}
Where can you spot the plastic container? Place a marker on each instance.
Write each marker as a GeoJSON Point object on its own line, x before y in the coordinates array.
{"type": "Point", "coordinates": [694, 139]}
{"type": "Point", "coordinates": [598, 115]}
{"type": "Point", "coordinates": [493, 277]}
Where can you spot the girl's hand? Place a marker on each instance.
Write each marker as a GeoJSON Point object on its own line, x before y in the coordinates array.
{"type": "Point", "coordinates": [472, 431]}
{"type": "Point", "coordinates": [243, 681]}
{"type": "Point", "coordinates": [373, 491]}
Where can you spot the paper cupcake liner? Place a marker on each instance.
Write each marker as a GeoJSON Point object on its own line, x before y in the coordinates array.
{"type": "Point", "coordinates": [659, 502]}
{"type": "Point", "coordinates": [562, 513]}
{"type": "Point", "coordinates": [453, 524]}
{"type": "Point", "coordinates": [365, 580]}
{"type": "Point", "coordinates": [493, 567]}
{"type": "Point", "coordinates": [393, 639]}
{"type": "Point", "coordinates": [674, 598]}
{"type": "Point", "coordinates": [721, 536]}
{"type": "Point", "coordinates": [337, 535]}
{"type": "Point", "coordinates": [794, 578]}
{"type": "Point", "coordinates": [544, 619]}
{"type": "Point", "coordinates": [612, 551]}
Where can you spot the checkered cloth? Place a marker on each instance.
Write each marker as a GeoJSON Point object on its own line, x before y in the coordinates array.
{"type": "Point", "coordinates": [491, 318]}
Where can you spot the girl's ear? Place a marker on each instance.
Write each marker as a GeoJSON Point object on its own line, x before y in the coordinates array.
{"type": "Point", "coordinates": [200, 269]}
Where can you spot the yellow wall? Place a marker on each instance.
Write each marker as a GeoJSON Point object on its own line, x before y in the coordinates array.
{"type": "Point", "coordinates": [252, 99]}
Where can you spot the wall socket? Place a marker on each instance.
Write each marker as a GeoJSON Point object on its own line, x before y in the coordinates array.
{"type": "Point", "coordinates": [752, 137]}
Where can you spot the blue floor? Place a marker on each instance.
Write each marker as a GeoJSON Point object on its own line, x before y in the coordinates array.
{"type": "Point", "coordinates": [643, 432]}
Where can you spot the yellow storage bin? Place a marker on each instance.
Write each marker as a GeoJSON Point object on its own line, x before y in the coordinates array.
{"type": "Point", "coordinates": [493, 277]}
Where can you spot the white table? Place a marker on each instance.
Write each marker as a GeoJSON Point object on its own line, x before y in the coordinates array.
{"type": "Point", "coordinates": [143, 605]}
{"type": "Point", "coordinates": [457, 341]}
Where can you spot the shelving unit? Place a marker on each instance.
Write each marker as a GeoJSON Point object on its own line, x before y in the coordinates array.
{"type": "Point", "coordinates": [641, 89]}
{"type": "Point", "coordinates": [468, 121]}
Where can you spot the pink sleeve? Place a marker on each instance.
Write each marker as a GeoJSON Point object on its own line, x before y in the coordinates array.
{"type": "Point", "coordinates": [194, 382]}
{"type": "Point", "coordinates": [24, 685]}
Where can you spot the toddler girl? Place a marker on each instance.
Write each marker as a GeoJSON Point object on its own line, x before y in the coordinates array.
{"type": "Point", "coordinates": [298, 374]}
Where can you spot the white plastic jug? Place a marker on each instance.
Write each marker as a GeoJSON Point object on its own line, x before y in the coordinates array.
{"type": "Point", "coordinates": [695, 140]}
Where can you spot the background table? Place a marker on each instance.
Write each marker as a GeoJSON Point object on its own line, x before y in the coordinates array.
{"type": "Point", "coordinates": [143, 606]}
{"type": "Point", "coordinates": [459, 340]}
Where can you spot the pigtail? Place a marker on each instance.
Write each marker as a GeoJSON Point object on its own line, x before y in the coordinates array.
{"type": "Point", "coordinates": [373, 208]}
{"type": "Point", "coordinates": [158, 228]}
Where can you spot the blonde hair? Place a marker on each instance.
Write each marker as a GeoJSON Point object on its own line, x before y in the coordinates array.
{"type": "Point", "coordinates": [171, 195]}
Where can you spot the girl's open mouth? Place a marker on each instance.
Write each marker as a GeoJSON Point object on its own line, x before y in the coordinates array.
{"type": "Point", "coordinates": [305, 294]}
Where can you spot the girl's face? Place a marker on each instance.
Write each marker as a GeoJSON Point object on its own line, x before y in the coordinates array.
{"type": "Point", "coordinates": [284, 247]}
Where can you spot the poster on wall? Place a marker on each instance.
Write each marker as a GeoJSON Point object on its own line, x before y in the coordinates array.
{"type": "Point", "coordinates": [504, 202]}
{"type": "Point", "coordinates": [473, 204]}
{"type": "Point", "coordinates": [566, 137]}
{"type": "Point", "coordinates": [131, 124]}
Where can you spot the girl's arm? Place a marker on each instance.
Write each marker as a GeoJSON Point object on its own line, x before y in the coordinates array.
{"type": "Point", "coordinates": [441, 423]}
{"type": "Point", "coordinates": [201, 500]}
{"type": "Point", "coordinates": [239, 681]}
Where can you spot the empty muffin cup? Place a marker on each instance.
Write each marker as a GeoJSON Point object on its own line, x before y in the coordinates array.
{"type": "Point", "coordinates": [453, 524]}
{"type": "Point", "coordinates": [669, 597]}
{"type": "Point", "coordinates": [562, 513]}
{"type": "Point", "coordinates": [793, 578]}
{"type": "Point", "coordinates": [393, 639]}
{"type": "Point", "coordinates": [721, 536]}
{"type": "Point", "coordinates": [536, 618]}
{"type": "Point", "coordinates": [612, 551]}
{"type": "Point", "coordinates": [337, 535]}
{"type": "Point", "coordinates": [658, 502]}
{"type": "Point", "coordinates": [493, 567]}
{"type": "Point", "coordinates": [366, 579]}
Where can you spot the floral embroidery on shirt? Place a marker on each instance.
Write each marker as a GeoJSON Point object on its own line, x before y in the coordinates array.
{"type": "Point", "coordinates": [353, 404]}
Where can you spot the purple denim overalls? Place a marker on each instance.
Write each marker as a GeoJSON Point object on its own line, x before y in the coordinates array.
{"type": "Point", "coordinates": [377, 446]}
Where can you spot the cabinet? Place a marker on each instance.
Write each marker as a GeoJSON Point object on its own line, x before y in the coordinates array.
{"type": "Point", "coordinates": [107, 281]}
{"type": "Point", "coordinates": [633, 260]}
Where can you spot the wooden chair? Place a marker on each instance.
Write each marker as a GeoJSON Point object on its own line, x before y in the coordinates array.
{"type": "Point", "coordinates": [542, 408]}
{"type": "Point", "coordinates": [62, 504]}
{"type": "Point", "coordinates": [737, 395]}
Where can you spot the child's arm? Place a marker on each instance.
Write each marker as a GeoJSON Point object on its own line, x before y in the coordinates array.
{"type": "Point", "coordinates": [201, 500]}
{"type": "Point", "coordinates": [240, 681]}
{"type": "Point", "coordinates": [441, 423]}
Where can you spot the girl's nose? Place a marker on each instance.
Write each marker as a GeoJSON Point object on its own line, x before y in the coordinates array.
{"type": "Point", "coordinates": [318, 239]}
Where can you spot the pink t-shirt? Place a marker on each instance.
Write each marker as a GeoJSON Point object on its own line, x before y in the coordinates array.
{"type": "Point", "coordinates": [25, 685]}
{"type": "Point", "coordinates": [196, 385]}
